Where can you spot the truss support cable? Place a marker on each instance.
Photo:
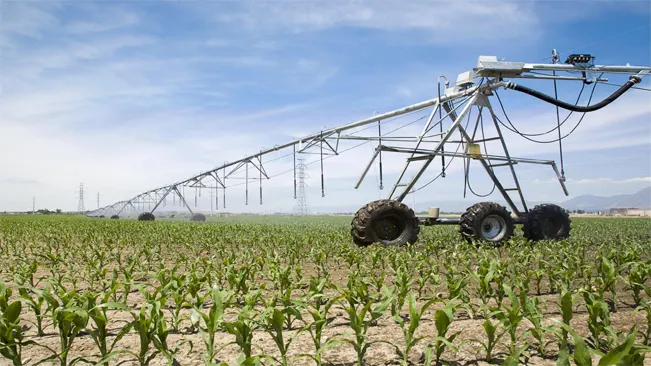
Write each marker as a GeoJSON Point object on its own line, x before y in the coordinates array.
{"type": "Point", "coordinates": [379, 131]}
{"type": "Point", "coordinates": [260, 170]}
{"type": "Point", "coordinates": [558, 127]}
{"type": "Point", "coordinates": [322, 181]}
{"type": "Point", "coordinates": [216, 193]}
{"type": "Point", "coordinates": [590, 108]}
{"type": "Point", "coordinates": [224, 181]}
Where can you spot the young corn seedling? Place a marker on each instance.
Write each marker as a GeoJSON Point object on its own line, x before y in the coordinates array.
{"type": "Point", "coordinates": [511, 317]}
{"type": "Point", "coordinates": [149, 324]}
{"type": "Point", "coordinates": [34, 298]}
{"type": "Point", "coordinates": [627, 352]}
{"type": "Point", "coordinates": [567, 310]}
{"type": "Point", "coordinates": [534, 314]}
{"type": "Point", "coordinates": [457, 283]}
{"type": "Point", "coordinates": [242, 328]}
{"type": "Point", "coordinates": [483, 276]}
{"type": "Point", "coordinates": [598, 320]}
{"type": "Point", "coordinates": [443, 318]}
{"type": "Point", "coordinates": [608, 280]}
{"type": "Point", "coordinates": [212, 321]}
{"type": "Point", "coordinates": [273, 322]}
{"type": "Point", "coordinates": [177, 294]}
{"type": "Point", "coordinates": [97, 312]}
{"type": "Point", "coordinates": [361, 317]}
{"type": "Point", "coordinates": [69, 319]}
{"type": "Point", "coordinates": [318, 306]}
{"type": "Point", "coordinates": [492, 338]}
{"type": "Point", "coordinates": [11, 334]}
{"type": "Point", "coordinates": [638, 274]}
{"type": "Point", "coordinates": [646, 307]}
{"type": "Point", "coordinates": [403, 280]}
{"type": "Point", "coordinates": [409, 328]}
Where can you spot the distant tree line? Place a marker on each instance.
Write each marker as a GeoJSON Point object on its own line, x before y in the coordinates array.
{"type": "Point", "coordinates": [45, 211]}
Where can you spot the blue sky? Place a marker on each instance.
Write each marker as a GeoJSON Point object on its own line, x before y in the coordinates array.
{"type": "Point", "coordinates": [128, 96]}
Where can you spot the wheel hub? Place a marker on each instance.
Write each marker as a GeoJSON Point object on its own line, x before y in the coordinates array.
{"type": "Point", "coordinates": [551, 227]}
{"type": "Point", "coordinates": [389, 228]}
{"type": "Point", "coordinates": [493, 228]}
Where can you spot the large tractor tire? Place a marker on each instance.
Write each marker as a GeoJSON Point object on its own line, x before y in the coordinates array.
{"type": "Point", "coordinates": [198, 217]}
{"type": "Point", "coordinates": [101, 216]}
{"type": "Point", "coordinates": [486, 222]}
{"type": "Point", "coordinates": [115, 217]}
{"type": "Point", "coordinates": [386, 222]}
{"type": "Point", "coordinates": [547, 222]}
{"type": "Point", "coordinates": [146, 216]}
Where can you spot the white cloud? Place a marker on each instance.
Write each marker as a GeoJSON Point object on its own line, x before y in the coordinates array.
{"type": "Point", "coordinates": [25, 20]}
{"type": "Point", "coordinates": [446, 21]}
{"type": "Point", "coordinates": [610, 180]}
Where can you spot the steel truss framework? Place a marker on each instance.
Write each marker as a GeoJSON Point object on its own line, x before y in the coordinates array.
{"type": "Point", "coordinates": [453, 107]}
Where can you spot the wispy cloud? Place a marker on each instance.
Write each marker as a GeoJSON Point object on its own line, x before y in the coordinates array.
{"type": "Point", "coordinates": [453, 20]}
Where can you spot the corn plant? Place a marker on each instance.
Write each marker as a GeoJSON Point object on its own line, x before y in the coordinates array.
{"type": "Point", "coordinates": [638, 274]}
{"type": "Point", "coordinates": [11, 334]}
{"type": "Point", "coordinates": [361, 317]}
{"type": "Point", "coordinates": [409, 328]}
{"type": "Point", "coordinates": [68, 318]}
{"type": "Point", "coordinates": [534, 314]}
{"type": "Point", "coordinates": [97, 312]}
{"type": "Point", "coordinates": [483, 276]}
{"type": "Point", "coordinates": [273, 322]}
{"type": "Point", "coordinates": [607, 280]}
{"type": "Point", "coordinates": [456, 283]}
{"type": "Point", "coordinates": [318, 306]}
{"type": "Point", "coordinates": [492, 338]}
{"type": "Point", "coordinates": [403, 280]}
{"type": "Point", "coordinates": [443, 318]}
{"type": "Point", "coordinates": [34, 298]}
{"type": "Point", "coordinates": [242, 328]}
{"type": "Point", "coordinates": [212, 321]}
{"type": "Point", "coordinates": [511, 316]}
{"type": "Point", "coordinates": [598, 320]}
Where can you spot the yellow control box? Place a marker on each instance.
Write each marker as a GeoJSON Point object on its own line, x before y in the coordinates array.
{"type": "Point", "coordinates": [473, 150]}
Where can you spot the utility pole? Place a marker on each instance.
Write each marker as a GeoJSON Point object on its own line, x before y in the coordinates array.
{"type": "Point", "coordinates": [34, 205]}
{"type": "Point", "coordinates": [98, 200]}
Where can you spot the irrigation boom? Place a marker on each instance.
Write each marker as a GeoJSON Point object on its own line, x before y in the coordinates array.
{"type": "Point", "coordinates": [390, 221]}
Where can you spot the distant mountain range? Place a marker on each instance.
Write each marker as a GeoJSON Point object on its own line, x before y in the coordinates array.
{"type": "Point", "coordinates": [640, 199]}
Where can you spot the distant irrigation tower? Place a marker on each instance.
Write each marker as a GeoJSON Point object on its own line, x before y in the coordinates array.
{"type": "Point", "coordinates": [80, 205]}
{"type": "Point", "coordinates": [301, 207]}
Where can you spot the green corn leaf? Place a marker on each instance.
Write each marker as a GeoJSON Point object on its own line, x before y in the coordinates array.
{"type": "Point", "coordinates": [616, 354]}
{"type": "Point", "coordinates": [12, 312]}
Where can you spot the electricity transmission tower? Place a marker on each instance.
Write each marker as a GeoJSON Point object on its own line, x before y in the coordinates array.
{"type": "Point", "coordinates": [80, 205]}
{"type": "Point", "coordinates": [301, 208]}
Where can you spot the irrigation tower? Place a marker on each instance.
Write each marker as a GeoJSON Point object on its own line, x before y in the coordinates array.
{"type": "Point", "coordinates": [301, 208]}
{"type": "Point", "coordinates": [80, 205]}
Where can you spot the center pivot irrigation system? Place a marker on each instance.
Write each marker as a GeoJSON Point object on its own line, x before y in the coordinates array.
{"type": "Point", "coordinates": [389, 221]}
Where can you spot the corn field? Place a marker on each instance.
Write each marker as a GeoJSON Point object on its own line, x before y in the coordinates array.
{"type": "Point", "coordinates": [296, 291]}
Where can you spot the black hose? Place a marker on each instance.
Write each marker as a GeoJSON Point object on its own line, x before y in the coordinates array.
{"type": "Point", "coordinates": [575, 108]}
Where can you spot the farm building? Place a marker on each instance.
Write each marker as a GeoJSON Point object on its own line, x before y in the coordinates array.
{"type": "Point", "coordinates": [629, 212]}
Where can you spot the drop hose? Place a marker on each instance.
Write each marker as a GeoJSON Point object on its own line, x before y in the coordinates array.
{"type": "Point", "coordinates": [611, 98]}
